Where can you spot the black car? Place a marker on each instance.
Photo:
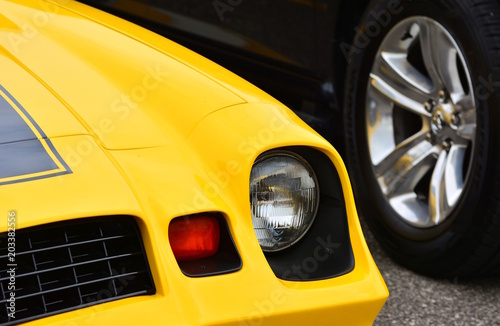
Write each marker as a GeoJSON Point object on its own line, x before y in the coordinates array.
{"type": "Point", "coordinates": [410, 86]}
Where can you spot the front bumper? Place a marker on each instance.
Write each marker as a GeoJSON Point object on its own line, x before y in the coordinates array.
{"type": "Point", "coordinates": [252, 295]}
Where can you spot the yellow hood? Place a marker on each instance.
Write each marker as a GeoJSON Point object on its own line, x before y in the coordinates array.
{"type": "Point", "coordinates": [125, 86]}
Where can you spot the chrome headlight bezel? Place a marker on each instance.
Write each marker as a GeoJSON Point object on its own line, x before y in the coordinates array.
{"type": "Point", "coordinates": [285, 162]}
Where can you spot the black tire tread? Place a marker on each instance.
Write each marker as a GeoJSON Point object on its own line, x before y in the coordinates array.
{"type": "Point", "coordinates": [486, 257]}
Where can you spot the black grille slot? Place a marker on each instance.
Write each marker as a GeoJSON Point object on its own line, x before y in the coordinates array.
{"type": "Point", "coordinates": [69, 265]}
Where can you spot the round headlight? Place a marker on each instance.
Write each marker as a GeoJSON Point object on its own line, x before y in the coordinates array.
{"type": "Point", "coordinates": [284, 197]}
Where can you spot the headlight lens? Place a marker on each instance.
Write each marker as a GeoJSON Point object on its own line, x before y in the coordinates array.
{"type": "Point", "coordinates": [284, 197]}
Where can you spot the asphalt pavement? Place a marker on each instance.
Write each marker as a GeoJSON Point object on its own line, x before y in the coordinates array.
{"type": "Point", "coordinates": [419, 300]}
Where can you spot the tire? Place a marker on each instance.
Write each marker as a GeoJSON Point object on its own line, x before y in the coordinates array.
{"type": "Point", "coordinates": [421, 115]}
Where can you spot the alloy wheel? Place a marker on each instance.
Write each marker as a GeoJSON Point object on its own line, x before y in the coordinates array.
{"type": "Point", "coordinates": [420, 121]}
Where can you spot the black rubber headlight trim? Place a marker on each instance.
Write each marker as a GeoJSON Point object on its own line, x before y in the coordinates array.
{"type": "Point", "coordinates": [325, 251]}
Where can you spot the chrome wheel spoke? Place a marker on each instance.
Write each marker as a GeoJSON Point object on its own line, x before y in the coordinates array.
{"type": "Point", "coordinates": [439, 54]}
{"type": "Point", "coordinates": [427, 35]}
{"type": "Point", "coordinates": [417, 140]}
{"type": "Point", "coordinates": [404, 100]}
{"type": "Point", "coordinates": [465, 102]}
{"type": "Point", "coordinates": [446, 183]}
{"type": "Point", "coordinates": [403, 176]}
{"type": "Point", "coordinates": [397, 66]}
{"type": "Point", "coordinates": [437, 198]}
{"type": "Point", "coordinates": [454, 180]}
{"type": "Point", "coordinates": [466, 108]}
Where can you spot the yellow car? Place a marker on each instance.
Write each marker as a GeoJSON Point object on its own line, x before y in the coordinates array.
{"type": "Point", "coordinates": [142, 184]}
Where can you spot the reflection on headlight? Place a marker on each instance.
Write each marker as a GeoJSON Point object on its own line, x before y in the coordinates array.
{"type": "Point", "coordinates": [284, 198]}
